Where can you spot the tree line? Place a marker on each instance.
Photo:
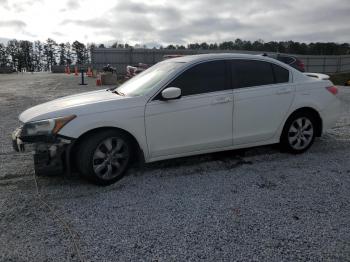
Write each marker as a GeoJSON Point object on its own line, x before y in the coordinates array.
{"type": "Point", "coordinates": [290, 47]}
{"type": "Point", "coordinates": [41, 56]}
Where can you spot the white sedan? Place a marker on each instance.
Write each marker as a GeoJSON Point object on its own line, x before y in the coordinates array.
{"type": "Point", "coordinates": [180, 107]}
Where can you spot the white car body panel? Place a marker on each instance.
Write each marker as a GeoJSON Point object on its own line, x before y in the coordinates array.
{"type": "Point", "coordinates": [317, 75]}
{"type": "Point", "coordinates": [172, 126]}
{"type": "Point", "coordinates": [80, 104]}
{"type": "Point", "coordinates": [195, 124]}
{"type": "Point", "coordinates": [264, 108]}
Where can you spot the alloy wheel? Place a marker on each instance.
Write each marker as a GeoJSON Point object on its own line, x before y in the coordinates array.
{"type": "Point", "coordinates": [110, 158]}
{"type": "Point", "coordinates": [300, 133]}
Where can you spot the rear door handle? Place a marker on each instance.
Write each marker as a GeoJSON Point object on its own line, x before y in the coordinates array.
{"type": "Point", "coordinates": [284, 91]}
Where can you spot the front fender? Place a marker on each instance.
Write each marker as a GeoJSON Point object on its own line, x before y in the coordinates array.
{"type": "Point", "coordinates": [133, 123]}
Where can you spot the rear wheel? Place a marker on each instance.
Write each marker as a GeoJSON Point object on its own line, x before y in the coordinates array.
{"type": "Point", "coordinates": [104, 157]}
{"type": "Point", "coordinates": [299, 132]}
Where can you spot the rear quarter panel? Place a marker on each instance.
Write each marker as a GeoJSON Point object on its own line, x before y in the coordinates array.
{"type": "Point", "coordinates": [314, 94]}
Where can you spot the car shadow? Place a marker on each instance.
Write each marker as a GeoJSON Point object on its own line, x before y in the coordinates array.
{"type": "Point", "coordinates": [186, 166]}
{"type": "Point", "coordinates": [224, 160]}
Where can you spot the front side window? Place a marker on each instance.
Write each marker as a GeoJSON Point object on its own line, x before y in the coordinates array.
{"type": "Point", "coordinates": [202, 78]}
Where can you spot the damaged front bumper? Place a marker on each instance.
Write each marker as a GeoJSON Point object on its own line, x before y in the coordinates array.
{"type": "Point", "coordinates": [51, 152]}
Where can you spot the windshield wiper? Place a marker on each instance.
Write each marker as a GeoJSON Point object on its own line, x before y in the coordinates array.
{"type": "Point", "coordinates": [118, 92]}
{"type": "Point", "coordinates": [115, 91]}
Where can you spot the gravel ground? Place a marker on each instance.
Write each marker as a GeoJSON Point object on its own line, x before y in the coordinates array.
{"type": "Point", "coordinates": [255, 205]}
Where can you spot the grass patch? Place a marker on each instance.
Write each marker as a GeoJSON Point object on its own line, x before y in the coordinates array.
{"type": "Point", "coordinates": [340, 79]}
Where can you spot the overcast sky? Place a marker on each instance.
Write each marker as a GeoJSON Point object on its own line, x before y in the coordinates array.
{"type": "Point", "coordinates": [177, 21]}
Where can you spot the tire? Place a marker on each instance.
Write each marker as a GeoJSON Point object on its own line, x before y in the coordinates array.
{"type": "Point", "coordinates": [299, 132]}
{"type": "Point", "coordinates": [104, 157]}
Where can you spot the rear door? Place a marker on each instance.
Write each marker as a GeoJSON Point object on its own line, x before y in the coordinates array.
{"type": "Point", "coordinates": [262, 94]}
{"type": "Point", "coordinates": [200, 120]}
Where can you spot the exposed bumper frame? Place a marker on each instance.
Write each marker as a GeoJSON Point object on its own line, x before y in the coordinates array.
{"type": "Point", "coordinates": [51, 153]}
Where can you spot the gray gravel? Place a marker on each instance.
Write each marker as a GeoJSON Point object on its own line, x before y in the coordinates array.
{"type": "Point", "coordinates": [252, 205]}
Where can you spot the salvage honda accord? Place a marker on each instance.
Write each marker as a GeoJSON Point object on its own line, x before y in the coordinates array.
{"type": "Point", "coordinates": [183, 106]}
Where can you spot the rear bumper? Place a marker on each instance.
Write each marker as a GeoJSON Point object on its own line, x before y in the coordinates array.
{"type": "Point", "coordinates": [331, 114]}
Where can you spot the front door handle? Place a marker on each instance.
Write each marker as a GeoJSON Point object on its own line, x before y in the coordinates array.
{"type": "Point", "coordinates": [222, 100]}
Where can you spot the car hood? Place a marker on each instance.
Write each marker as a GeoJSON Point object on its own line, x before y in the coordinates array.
{"type": "Point", "coordinates": [80, 104]}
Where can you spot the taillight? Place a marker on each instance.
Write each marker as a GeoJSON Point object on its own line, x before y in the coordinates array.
{"type": "Point", "coordinates": [332, 89]}
{"type": "Point", "coordinates": [301, 65]}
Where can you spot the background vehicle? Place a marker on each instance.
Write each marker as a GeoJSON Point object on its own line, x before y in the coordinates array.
{"type": "Point", "coordinates": [289, 60]}
{"type": "Point", "coordinates": [132, 71]}
{"type": "Point", "coordinates": [180, 107]}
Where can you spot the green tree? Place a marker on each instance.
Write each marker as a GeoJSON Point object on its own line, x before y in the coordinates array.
{"type": "Point", "coordinates": [238, 44]}
{"type": "Point", "coordinates": [170, 47]}
{"type": "Point", "coordinates": [204, 46]}
{"type": "Point", "coordinates": [80, 52]}
{"type": "Point", "coordinates": [4, 59]}
{"type": "Point", "coordinates": [25, 55]}
{"type": "Point", "coordinates": [228, 45]}
{"type": "Point", "coordinates": [50, 52]}
{"type": "Point", "coordinates": [62, 54]}
{"type": "Point", "coordinates": [38, 56]}
{"type": "Point", "coordinates": [12, 50]}
{"type": "Point", "coordinates": [213, 46]}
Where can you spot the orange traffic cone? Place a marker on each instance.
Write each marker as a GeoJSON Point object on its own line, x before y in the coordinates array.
{"type": "Point", "coordinates": [98, 80]}
{"type": "Point", "coordinates": [76, 71]}
{"type": "Point", "coordinates": [89, 73]}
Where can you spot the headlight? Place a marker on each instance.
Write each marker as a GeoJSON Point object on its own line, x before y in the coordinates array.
{"type": "Point", "coordinates": [46, 127]}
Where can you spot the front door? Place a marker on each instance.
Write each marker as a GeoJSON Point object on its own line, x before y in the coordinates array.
{"type": "Point", "coordinates": [200, 120]}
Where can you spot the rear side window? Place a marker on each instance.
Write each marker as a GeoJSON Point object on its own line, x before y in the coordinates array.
{"type": "Point", "coordinates": [281, 74]}
{"type": "Point", "coordinates": [203, 78]}
{"type": "Point", "coordinates": [257, 73]}
{"type": "Point", "coordinates": [253, 73]}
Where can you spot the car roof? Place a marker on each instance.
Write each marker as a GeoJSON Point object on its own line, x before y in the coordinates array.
{"type": "Point", "coordinates": [193, 59]}
{"type": "Point", "coordinates": [213, 56]}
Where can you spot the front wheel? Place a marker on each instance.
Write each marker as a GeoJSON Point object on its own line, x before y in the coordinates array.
{"type": "Point", "coordinates": [299, 133]}
{"type": "Point", "coordinates": [104, 157]}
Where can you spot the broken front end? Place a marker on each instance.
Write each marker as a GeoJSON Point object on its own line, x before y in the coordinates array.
{"type": "Point", "coordinates": [50, 150]}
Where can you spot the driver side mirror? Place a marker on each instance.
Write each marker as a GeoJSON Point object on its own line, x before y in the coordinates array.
{"type": "Point", "coordinates": [171, 93]}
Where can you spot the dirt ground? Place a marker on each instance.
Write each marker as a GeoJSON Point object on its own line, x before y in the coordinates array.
{"type": "Point", "coordinates": [261, 205]}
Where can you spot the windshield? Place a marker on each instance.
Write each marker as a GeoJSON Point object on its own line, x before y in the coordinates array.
{"type": "Point", "coordinates": [144, 82]}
